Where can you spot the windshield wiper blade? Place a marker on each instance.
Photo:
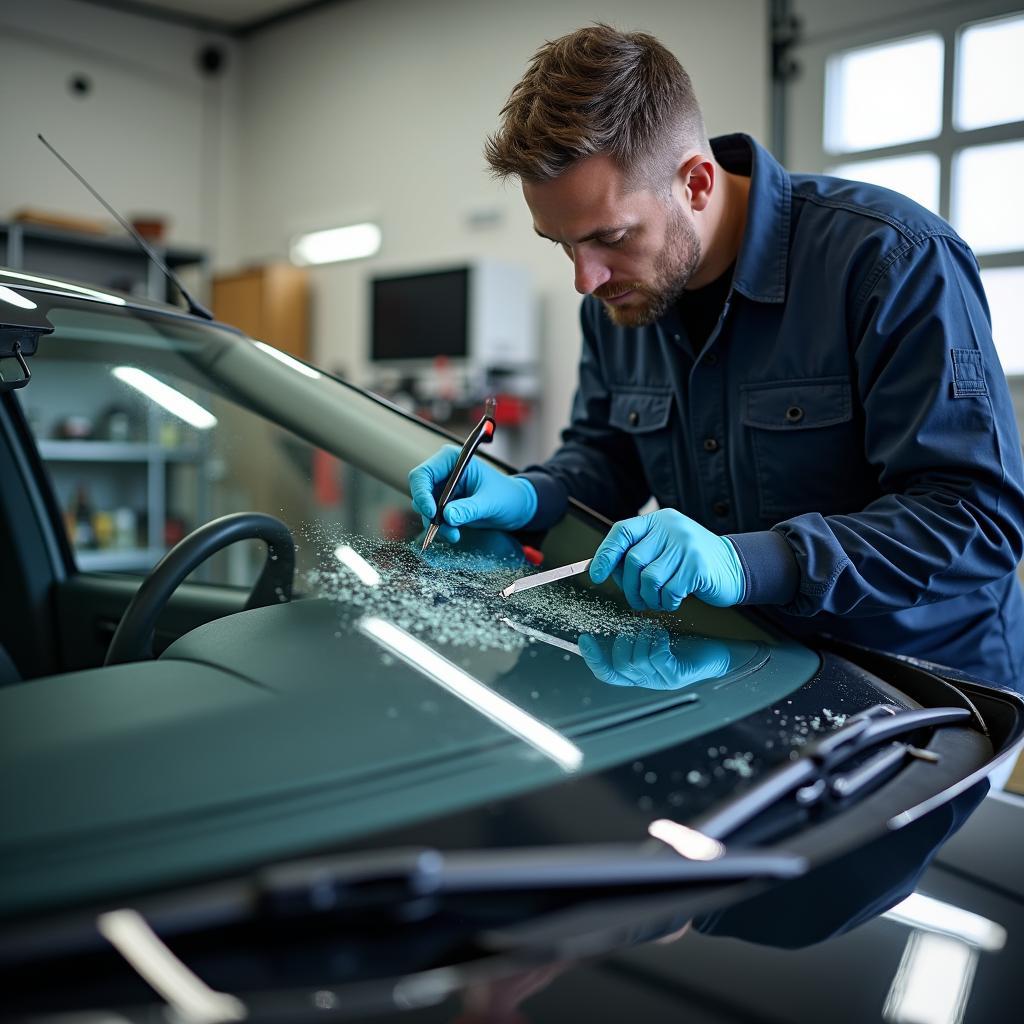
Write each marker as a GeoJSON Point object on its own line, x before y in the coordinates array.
{"type": "Point", "coordinates": [348, 886]}
{"type": "Point", "coordinates": [357, 881]}
{"type": "Point", "coordinates": [815, 773]}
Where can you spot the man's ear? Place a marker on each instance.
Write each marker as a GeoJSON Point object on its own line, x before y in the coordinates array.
{"type": "Point", "coordinates": [696, 179]}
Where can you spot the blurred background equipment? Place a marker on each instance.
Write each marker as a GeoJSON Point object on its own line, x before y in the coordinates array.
{"type": "Point", "coordinates": [442, 340]}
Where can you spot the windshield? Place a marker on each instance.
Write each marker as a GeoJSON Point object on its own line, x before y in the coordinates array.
{"type": "Point", "coordinates": [393, 673]}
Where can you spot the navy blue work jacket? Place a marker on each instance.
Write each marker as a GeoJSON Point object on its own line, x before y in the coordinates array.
{"type": "Point", "coordinates": [847, 424]}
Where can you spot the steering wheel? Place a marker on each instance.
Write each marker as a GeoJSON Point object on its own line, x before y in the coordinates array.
{"type": "Point", "coordinates": [133, 639]}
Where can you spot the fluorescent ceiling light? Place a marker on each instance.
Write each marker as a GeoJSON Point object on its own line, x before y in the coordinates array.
{"type": "Point", "coordinates": [353, 242]}
{"type": "Point", "coordinates": [15, 299]}
{"type": "Point", "coordinates": [932, 915]}
{"type": "Point", "coordinates": [687, 842]}
{"type": "Point", "coordinates": [351, 559]}
{"type": "Point", "coordinates": [283, 357]}
{"type": "Point", "coordinates": [502, 712]}
{"type": "Point", "coordinates": [173, 401]}
{"type": "Point", "coordinates": [91, 293]}
{"type": "Point", "coordinates": [192, 999]}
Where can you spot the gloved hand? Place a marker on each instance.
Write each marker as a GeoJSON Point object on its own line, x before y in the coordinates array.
{"type": "Point", "coordinates": [661, 558]}
{"type": "Point", "coordinates": [484, 497]}
{"type": "Point", "coordinates": [649, 661]}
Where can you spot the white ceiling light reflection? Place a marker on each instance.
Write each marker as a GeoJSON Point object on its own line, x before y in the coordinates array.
{"type": "Point", "coordinates": [283, 357]}
{"type": "Point", "coordinates": [91, 293]}
{"type": "Point", "coordinates": [193, 1001]}
{"type": "Point", "coordinates": [933, 981]}
{"type": "Point", "coordinates": [932, 915]}
{"type": "Point", "coordinates": [173, 401]}
{"type": "Point", "coordinates": [687, 842]}
{"type": "Point", "coordinates": [549, 742]}
{"type": "Point", "coordinates": [332, 245]}
{"type": "Point", "coordinates": [8, 295]}
{"type": "Point", "coordinates": [351, 559]}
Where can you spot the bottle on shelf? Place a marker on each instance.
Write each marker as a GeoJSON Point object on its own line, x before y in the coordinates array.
{"type": "Point", "coordinates": [82, 516]}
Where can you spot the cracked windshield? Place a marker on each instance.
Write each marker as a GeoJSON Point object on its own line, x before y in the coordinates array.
{"type": "Point", "coordinates": [546, 676]}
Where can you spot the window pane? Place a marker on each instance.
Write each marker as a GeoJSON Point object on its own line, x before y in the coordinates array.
{"type": "Point", "coordinates": [1004, 287]}
{"type": "Point", "coordinates": [988, 205]}
{"type": "Point", "coordinates": [990, 74]}
{"type": "Point", "coordinates": [884, 95]}
{"type": "Point", "coordinates": [916, 176]}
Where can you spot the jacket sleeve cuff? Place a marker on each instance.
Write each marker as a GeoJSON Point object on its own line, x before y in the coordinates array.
{"type": "Point", "coordinates": [770, 571]}
{"type": "Point", "coordinates": [552, 499]}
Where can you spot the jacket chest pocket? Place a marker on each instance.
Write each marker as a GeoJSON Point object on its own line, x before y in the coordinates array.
{"type": "Point", "coordinates": [645, 416]}
{"type": "Point", "coordinates": [807, 453]}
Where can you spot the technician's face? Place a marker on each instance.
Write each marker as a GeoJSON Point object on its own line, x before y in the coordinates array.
{"type": "Point", "coordinates": [635, 251]}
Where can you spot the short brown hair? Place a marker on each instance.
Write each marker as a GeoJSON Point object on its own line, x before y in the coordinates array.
{"type": "Point", "coordinates": [597, 90]}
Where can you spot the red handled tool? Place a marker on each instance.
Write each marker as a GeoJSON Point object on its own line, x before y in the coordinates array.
{"type": "Point", "coordinates": [480, 434]}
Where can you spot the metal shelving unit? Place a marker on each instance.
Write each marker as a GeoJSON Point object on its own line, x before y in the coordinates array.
{"type": "Point", "coordinates": [111, 261]}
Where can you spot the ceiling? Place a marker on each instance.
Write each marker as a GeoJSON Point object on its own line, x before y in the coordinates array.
{"type": "Point", "coordinates": [232, 15]}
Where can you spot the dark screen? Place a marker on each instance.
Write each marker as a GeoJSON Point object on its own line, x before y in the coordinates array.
{"type": "Point", "coordinates": [420, 316]}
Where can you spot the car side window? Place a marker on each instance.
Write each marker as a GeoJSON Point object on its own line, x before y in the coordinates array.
{"type": "Point", "coordinates": [140, 450]}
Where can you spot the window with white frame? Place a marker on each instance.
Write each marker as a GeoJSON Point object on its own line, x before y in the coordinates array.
{"type": "Point", "coordinates": [939, 116]}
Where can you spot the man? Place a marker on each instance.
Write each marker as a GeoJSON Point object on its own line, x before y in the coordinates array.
{"type": "Point", "coordinates": [799, 369]}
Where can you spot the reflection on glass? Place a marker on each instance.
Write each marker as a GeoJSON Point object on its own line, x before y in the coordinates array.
{"type": "Point", "coordinates": [656, 662]}
{"type": "Point", "coordinates": [884, 95]}
{"type": "Point", "coordinates": [167, 397]}
{"type": "Point", "coordinates": [351, 559]}
{"type": "Point", "coordinates": [916, 176]}
{"type": "Point", "coordinates": [1004, 289]}
{"type": "Point", "coordinates": [89, 293]}
{"type": "Point", "coordinates": [990, 74]}
{"type": "Point", "coordinates": [929, 914]}
{"type": "Point", "coordinates": [283, 357]}
{"type": "Point", "coordinates": [989, 215]}
{"type": "Point", "coordinates": [502, 712]}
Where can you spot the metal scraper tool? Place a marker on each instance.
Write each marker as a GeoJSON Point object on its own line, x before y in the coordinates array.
{"type": "Point", "coordinates": [540, 578]}
{"type": "Point", "coordinates": [548, 638]}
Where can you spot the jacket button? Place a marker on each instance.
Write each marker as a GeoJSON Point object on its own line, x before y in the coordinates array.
{"type": "Point", "coordinates": [710, 444]}
{"type": "Point", "coordinates": [794, 414]}
{"type": "Point", "coordinates": [634, 418]}
{"type": "Point", "coordinates": [711, 359]}
{"type": "Point", "coordinates": [721, 509]}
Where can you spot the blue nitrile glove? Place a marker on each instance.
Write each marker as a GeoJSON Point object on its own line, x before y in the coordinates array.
{"type": "Point", "coordinates": [649, 661]}
{"type": "Point", "coordinates": [661, 558]}
{"type": "Point", "coordinates": [484, 497]}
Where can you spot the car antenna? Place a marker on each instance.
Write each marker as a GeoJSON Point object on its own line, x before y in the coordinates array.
{"type": "Point", "coordinates": [194, 307]}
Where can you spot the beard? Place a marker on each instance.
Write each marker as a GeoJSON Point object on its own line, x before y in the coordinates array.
{"type": "Point", "coordinates": [673, 267]}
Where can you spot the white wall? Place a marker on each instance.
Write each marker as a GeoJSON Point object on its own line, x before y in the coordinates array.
{"type": "Point", "coordinates": [368, 108]}
{"type": "Point", "coordinates": [154, 134]}
{"type": "Point", "coordinates": [379, 108]}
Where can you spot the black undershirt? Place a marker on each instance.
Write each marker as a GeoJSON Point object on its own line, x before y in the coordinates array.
{"type": "Point", "coordinates": [700, 309]}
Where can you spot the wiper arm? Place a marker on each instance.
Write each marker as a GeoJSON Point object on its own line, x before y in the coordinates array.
{"type": "Point", "coordinates": [358, 881]}
{"type": "Point", "coordinates": [815, 773]}
{"type": "Point", "coordinates": [351, 885]}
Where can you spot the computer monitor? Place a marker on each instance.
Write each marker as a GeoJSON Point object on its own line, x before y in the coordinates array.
{"type": "Point", "coordinates": [420, 316]}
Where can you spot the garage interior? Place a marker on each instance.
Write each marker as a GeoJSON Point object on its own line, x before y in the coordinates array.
{"type": "Point", "coordinates": [247, 139]}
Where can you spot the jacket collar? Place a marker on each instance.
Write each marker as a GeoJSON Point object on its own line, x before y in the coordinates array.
{"type": "Point", "coordinates": [761, 265]}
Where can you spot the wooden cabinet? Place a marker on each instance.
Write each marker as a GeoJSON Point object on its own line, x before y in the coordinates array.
{"type": "Point", "coordinates": [270, 303]}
